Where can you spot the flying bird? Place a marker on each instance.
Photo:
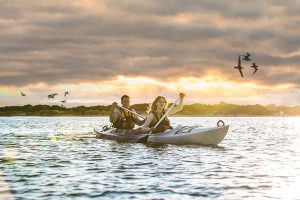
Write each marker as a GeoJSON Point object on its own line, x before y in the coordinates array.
{"type": "Point", "coordinates": [52, 96]}
{"type": "Point", "coordinates": [246, 57]}
{"type": "Point", "coordinates": [255, 67]}
{"type": "Point", "coordinates": [63, 101]}
{"type": "Point", "coordinates": [67, 92]}
{"type": "Point", "coordinates": [239, 67]}
{"type": "Point", "coordinates": [23, 95]}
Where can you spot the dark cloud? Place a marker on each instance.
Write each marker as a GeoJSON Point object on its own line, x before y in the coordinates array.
{"type": "Point", "coordinates": [164, 8]}
{"type": "Point", "coordinates": [59, 42]}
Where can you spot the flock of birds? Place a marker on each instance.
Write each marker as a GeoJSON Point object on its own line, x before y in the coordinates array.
{"type": "Point", "coordinates": [51, 96]}
{"type": "Point", "coordinates": [246, 58]}
{"type": "Point", "coordinates": [238, 67]}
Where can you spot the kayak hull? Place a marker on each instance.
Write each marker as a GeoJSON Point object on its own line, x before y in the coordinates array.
{"type": "Point", "coordinates": [179, 135]}
{"type": "Point", "coordinates": [206, 136]}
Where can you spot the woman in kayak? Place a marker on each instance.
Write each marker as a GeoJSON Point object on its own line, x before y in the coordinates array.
{"type": "Point", "coordinates": [157, 109]}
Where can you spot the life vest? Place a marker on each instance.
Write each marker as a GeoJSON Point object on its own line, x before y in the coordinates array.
{"type": "Point", "coordinates": [164, 125]}
{"type": "Point", "coordinates": [125, 121]}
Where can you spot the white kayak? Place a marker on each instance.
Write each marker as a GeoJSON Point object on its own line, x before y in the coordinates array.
{"type": "Point", "coordinates": [178, 135]}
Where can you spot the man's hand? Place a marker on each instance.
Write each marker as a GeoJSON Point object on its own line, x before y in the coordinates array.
{"type": "Point", "coordinates": [114, 105]}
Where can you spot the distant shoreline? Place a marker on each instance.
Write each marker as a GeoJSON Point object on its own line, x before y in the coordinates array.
{"type": "Point", "coordinates": [192, 110]}
{"type": "Point", "coordinates": [145, 116]}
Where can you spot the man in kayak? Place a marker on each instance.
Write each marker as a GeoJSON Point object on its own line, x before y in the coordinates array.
{"type": "Point", "coordinates": [157, 109]}
{"type": "Point", "coordinates": [122, 119]}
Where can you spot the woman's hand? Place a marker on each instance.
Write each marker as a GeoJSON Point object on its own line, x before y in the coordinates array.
{"type": "Point", "coordinates": [182, 95]}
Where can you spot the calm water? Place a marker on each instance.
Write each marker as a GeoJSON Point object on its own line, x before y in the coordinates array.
{"type": "Point", "coordinates": [259, 158]}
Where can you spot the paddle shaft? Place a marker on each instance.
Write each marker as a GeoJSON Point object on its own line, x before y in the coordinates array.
{"type": "Point", "coordinates": [132, 112]}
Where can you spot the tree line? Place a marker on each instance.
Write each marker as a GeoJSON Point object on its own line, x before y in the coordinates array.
{"type": "Point", "coordinates": [221, 109]}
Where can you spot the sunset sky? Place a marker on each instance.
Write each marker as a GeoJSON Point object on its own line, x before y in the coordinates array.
{"type": "Point", "coordinates": [100, 50]}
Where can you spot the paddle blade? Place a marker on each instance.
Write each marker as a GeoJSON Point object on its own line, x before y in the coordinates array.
{"type": "Point", "coordinates": [143, 139]}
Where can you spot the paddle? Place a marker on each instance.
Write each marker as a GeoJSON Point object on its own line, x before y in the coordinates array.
{"type": "Point", "coordinates": [145, 139]}
{"type": "Point", "coordinates": [133, 112]}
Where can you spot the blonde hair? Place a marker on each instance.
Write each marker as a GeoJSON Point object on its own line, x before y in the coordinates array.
{"type": "Point", "coordinates": [153, 106]}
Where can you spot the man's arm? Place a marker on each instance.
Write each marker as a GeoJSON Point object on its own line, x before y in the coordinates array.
{"type": "Point", "coordinates": [138, 121]}
{"type": "Point", "coordinates": [113, 116]}
{"type": "Point", "coordinates": [114, 113]}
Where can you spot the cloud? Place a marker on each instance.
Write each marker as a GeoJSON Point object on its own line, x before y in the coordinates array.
{"type": "Point", "coordinates": [66, 42]}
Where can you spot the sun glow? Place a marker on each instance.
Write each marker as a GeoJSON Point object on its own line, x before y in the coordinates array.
{"type": "Point", "coordinates": [211, 88]}
{"type": "Point", "coordinates": [132, 81]}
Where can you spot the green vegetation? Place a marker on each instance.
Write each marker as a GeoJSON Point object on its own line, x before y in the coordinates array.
{"type": "Point", "coordinates": [222, 109]}
{"type": "Point", "coordinates": [55, 110]}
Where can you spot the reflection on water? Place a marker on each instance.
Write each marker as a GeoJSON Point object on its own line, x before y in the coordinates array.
{"type": "Point", "coordinates": [55, 158]}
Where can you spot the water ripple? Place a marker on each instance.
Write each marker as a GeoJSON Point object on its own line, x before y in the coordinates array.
{"type": "Point", "coordinates": [59, 158]}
